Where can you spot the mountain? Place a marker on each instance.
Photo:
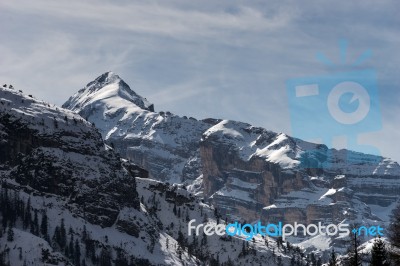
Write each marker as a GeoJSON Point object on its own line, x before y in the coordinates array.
{"type": "Point", "coordinates": [67, 198]}
{"type": "Point", "coordinates": [247, 172]}
{"type": "Point", "coordinates": [165, 144]}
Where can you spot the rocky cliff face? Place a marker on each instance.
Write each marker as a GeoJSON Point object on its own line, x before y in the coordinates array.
{"type": "Point", "coordinates": [38, 139]}
{"type": "Point", "coordinates": [249, 173]}
{"type": "Point", "coordinates": [253, 173]}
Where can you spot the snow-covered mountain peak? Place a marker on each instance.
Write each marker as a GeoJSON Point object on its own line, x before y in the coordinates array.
{"type": "Point", "coordinates": [108, 100]}
{"type": "Point", "coordinates": [110, 88]}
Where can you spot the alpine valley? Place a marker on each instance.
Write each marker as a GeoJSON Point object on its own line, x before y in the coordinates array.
{"type": "Point", "coordinates": [106, 180]}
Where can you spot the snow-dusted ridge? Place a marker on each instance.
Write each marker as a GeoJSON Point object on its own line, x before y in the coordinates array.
{"type": "Point", "coordinates": [247, 172]}
{"type": "Point", "coordinates": [130, 124]}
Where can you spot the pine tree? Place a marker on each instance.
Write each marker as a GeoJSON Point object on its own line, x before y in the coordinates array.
{"type": "Point", "coordinates": [293, 260]}
{"type": "Point", "coordinates": [288, 245]}
{"type": "Point", "coordinates": [45, 255]}
{"type": "Point", "coordinates": [90, 249]}
{"type": "Point", "coordinates": [57, 236]}
{"type": "Point", "coordinates": [84, 233]}
{"type": "Point", "coordinates": [229, 262]}
{"type": "Point", "coordinates": [194, 242]}
{"type": "Point", "coordinates": [204, 239]}
{"type": "Point", "coordinates": [313, 259]}
{"type": "Point", "coordinates": [379, 256]}
{"type": "Point", "coordinates": [105, 258]}
{"type": "Point", "coordinates": [181, 238]}
{"type": "Point", "coordinates": [354, 256]}
{"type": "Point", "coordinates": [77, 252]}
{"type": "Point", "coordinates": [121, 259]}
{"type": "Point", "coordinates": [2, 258]}
{"type": "Point", "coordinates": [10, 234]}
{"type": "Point", "coordinates": [32, 227]}
{"type": "Point", "coordinates": [394, 234]}
{"type": "Point", "coordinates": [179, 251]}
{"type": "Point", "coordinates": [71, 247]}
{"type": "Point", "coordinates": [244, 250]}
{"type": "Point", "coordinates": [12, 210]}
{"type": "Point", "coordinates": [333, 259]}
{"type": "Point", "coordinates": [279, 261]}
{"type": "Point", "coordinates": [63, 235]}
{"type": "Point", "coordinates": [36, 224]}
{"type": "Point", "coordinates": [27, 215]}
{"type": "Point", "coordinates": [66, 251]}
{"type": "Point", "coordinates": [187, 216]}
{"type": "Point", "coordinates": [205, 218]}
{"type": "Point", "coordinates": [4, 207]}
{"type": "Point", "coordinates": [279, 242]}
{"type": "Point", "coordinates": [43, 224]}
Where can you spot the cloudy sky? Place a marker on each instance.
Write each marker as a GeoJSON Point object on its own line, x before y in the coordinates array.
{"type": "Point", "coordinates": [224, 59]}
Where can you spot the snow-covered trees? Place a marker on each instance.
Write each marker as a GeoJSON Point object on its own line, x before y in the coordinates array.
{"type": "Point", "coordinates": [333, 261]}
{"type": "Point", "coordinates": [379, 255]}
{"type": "Point", "coordinates": [394, 235]}
{"type": "Point", "coordinates": [10, 234]}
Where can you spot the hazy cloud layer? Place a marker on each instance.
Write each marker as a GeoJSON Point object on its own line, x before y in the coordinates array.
{"type": "Point", "coordinates": [227, 59]}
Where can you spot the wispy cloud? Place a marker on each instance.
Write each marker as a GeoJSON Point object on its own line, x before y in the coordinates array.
{"type": "Point", "coordinates": [178, 92]}
{"type": "Point", "coordinates": [153, 18]}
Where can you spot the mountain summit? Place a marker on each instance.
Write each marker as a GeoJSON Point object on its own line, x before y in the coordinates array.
{"type": "Point", "coordinates": [107, 86]}
{"type": "Point", "coordinates": [106, 98]}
